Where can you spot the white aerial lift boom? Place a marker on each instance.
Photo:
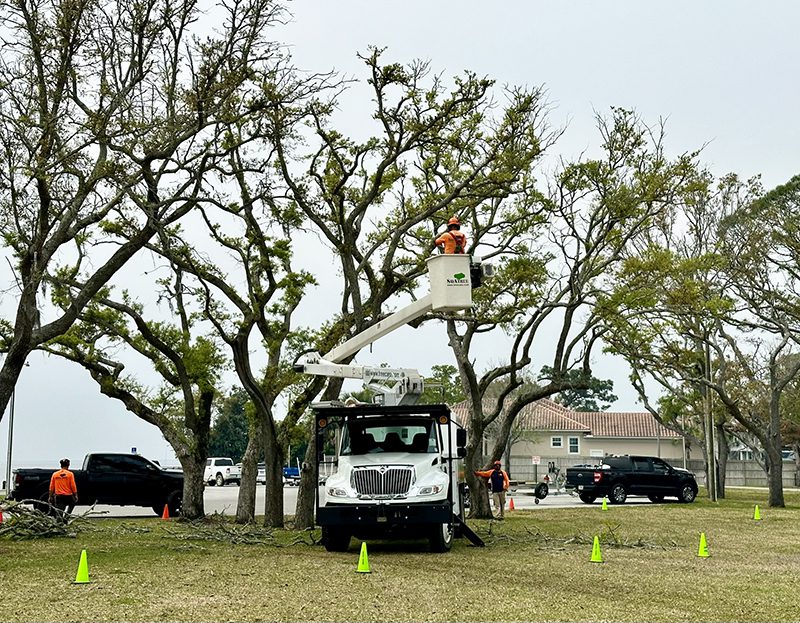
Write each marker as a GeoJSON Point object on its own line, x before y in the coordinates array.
{"type": "Point", "coordinates": [450, 290]}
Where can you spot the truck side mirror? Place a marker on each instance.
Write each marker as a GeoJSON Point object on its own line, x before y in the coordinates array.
{"type": "Point", "coordinates": [461, 452]}
{"type": "Point", "coordinates": [461, 438]}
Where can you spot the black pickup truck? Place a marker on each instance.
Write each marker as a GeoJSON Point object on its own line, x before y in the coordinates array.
{"type": "Point", "coordinates": [107, 478]}
{"type": "Point", "coordinates": [617, 477]}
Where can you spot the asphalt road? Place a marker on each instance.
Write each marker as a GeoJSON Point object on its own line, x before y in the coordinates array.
{"type": "Point", "coordinates": [223, 500]}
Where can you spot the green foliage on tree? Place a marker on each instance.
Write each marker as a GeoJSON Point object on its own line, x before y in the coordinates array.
{"type": "Point", "coordinates": [586, 394]}
{"type": "Point", "coordinates": [443, 386]}
{"type": "Point", "coordinates": [228, 436]}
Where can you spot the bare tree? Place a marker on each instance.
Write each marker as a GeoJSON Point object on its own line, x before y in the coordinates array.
{"type": "Point", "coordinates": [110, 117]}
{"type": "Point", "coordinates": [553, 272]}
{"type": "Point", "coordinates": [378, 203]}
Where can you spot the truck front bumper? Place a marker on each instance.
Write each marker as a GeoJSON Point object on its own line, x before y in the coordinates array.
{"type": "Point", "coordinates": [383, 514]}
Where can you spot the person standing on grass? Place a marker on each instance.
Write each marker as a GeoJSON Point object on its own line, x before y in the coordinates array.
{"type": "Point", "coordinates": [498, 483]}
{"type": "Point", "coordinates": [63, 492]}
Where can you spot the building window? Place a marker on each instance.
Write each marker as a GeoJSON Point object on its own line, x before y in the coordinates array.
{"type": "Point", "coordinates": [574, 445]}
{"type": "Point", "coordinates": [556, 442]}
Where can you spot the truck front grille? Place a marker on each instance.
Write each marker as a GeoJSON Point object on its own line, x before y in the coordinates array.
{"type": "Point", "coordinates": [382, 480]}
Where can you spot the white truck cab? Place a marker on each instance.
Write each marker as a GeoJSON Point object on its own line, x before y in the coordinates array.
{"type": "Point", "coordinates": [395, 474]}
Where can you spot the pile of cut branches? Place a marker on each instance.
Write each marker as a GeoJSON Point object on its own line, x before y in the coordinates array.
{"type": "Point", "coordinates": [22, 520]}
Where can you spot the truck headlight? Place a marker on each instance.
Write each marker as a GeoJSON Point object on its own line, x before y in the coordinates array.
{"type": "Point", "coordinates": [431, 490]}
{"type": "Point", "coordinates": [336, 492]}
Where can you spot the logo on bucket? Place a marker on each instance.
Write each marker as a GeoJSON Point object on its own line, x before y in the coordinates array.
{"type": "Point", "coordinates": [459, 279]}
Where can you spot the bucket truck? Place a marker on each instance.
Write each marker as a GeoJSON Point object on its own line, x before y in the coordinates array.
{"type": "Point", "coordinates": [395, 471]}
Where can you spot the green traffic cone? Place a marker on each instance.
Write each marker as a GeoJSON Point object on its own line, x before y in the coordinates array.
{"type": "Point", "coordinates": [82, 577]}
{"type": "Point", "coordinates": [702, 551]}
{"type": "Point", "coordinates": [596, 555]}
{"type": "Point", "coordinates": [363, 560]}
{"type": "Point", "coordinates": [605, 505]}
{"type": "Point", "coordinates": [757, 514]}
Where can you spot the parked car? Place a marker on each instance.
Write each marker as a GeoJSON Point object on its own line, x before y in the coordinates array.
{"type": "Point", "coordinates": [220, 471]}
{"type": "Point", "coordinates": [617, 477]}
{"type": "Point", "coordinates": [261, 477]}
{"type": "Point", "coordinates": [108, 478]}
{"type": "Point", "coordinates": [291, 476]}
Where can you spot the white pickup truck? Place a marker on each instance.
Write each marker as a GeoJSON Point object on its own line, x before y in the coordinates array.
{"type": "Point", "coordinates": [220, 471]}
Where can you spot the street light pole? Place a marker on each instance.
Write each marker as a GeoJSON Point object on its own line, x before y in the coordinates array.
{"type": "Point", "coordinates": [10, 441]}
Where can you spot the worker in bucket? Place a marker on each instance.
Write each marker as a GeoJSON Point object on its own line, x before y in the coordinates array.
{"type": "Point", "coordinates": [498, 484]}
{"type": "Point", "coordinates": [452, 241]}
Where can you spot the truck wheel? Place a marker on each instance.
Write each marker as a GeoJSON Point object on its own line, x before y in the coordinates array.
{"type": "Point", "coordinates": [541, 491]}
{"type": "Point", "coordinates": [441, 538]}
{"type": "Point", "coordinates": [335, 539]}
{"type": "Point", "coordinates": [174, 502]}
{"type": "Point", "coordinates": [618, 494]}
{"type": "Point", "coordinates": [656, 499]}
{"type": "Point", "coordinates": [43, 505]}
{"type": "Point", "coordinates": [586, 498]}
{"type": "Point", "coordinates": [687, 494]}
{"type": "Point", "coordinates": [220, 480]}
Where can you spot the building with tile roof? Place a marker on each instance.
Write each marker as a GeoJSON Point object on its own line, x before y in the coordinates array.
{"type": "Point", "coordinates": [548, 432]}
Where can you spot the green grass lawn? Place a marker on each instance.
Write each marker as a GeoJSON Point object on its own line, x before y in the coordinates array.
{"type": "Point", "coordinates": [536, 567]}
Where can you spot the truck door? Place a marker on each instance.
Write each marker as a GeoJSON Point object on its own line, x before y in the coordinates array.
{"type": "Point", "coordinates": [103, 479]}
{"type": "Point", "coordinates": [643, 478]}
{"type": "Point", "coordinates": [140, 479]}
{"type": "Point", "coordinates": [663, 477]}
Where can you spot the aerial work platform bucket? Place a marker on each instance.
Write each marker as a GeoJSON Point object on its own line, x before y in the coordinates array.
{"type": "Point", "coordinates": [451, 287]}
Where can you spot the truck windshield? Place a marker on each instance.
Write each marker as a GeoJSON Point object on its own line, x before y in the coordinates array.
{"type": "Point", "coordinates": [373, 436]}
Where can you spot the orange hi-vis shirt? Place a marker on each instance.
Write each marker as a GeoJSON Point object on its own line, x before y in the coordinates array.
{"type": "Point", "coordinates": [63, 483]}
{"type": "Point", "coordinates": [451, 239]}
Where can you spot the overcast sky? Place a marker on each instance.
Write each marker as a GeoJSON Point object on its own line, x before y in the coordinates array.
{"type": "Point", "coordinates": [723, 74]}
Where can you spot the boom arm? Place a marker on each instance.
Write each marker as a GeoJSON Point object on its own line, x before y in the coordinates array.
{"type": "Point", "coordinates": [450, 291]}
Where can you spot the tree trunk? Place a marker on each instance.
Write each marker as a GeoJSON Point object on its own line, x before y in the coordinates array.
{"type": "Point", "coordinates": [478, 491]}
{"type": "Point", "coordinates": [723, 448]}
{"type": "Point", "coordinates": [273, 506]}
{"type": "Point", "coordinates": [306, 494]}
{"type": "Point", "coordinates": [193, 486]}
{"type": "Point", "coordinates": [246, 507]}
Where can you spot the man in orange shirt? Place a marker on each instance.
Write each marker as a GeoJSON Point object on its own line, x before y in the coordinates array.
{"type": "Point", "coordinates": [453, 241]}
{"type": "Point", "coordinates": [63, 492]}
{"type": "Point", "coordinates": [498, 483]}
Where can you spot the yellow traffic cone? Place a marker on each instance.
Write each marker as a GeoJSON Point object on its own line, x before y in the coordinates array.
{"type": "Point", "coordinates": [757, 514]}
{"type": "Point", "coordinates": [596, 555]}
{"type": "Point", "coordinates": [363, 560]}
{"type": "Point", "coordinates": [82, 577]}
{"type": "Point", "coordinates": [702, 551]}
{"type": "Point", "coordinates": [605, 505]}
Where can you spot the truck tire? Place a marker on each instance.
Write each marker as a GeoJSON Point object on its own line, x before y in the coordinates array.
{"type": "Point", "coordinates": [441, 538]}
{"type": "Point", "coordinates": [174, 502]}
{"type": "Point", "coordinates": [335, 539]}
{"type": "Point", "coordinates": [541, 491]}
{"type": "Point", "coordinates": [618, 493]}
{"type": "Point", "coordinates": [43, 505]}
{"type": "Point", "coordinates": [586, 498]}
{"type": "Point", "coordinates": [687, 493]}
{"type": "Point", "coordinates": [220, 480]}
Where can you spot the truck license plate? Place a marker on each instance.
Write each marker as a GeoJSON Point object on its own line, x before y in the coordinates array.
{"type": "Point", "coordinates": [383, 519]}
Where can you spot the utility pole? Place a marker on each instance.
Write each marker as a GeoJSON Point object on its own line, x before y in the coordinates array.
{"type": "Point", "coordinates": [711, 460]}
